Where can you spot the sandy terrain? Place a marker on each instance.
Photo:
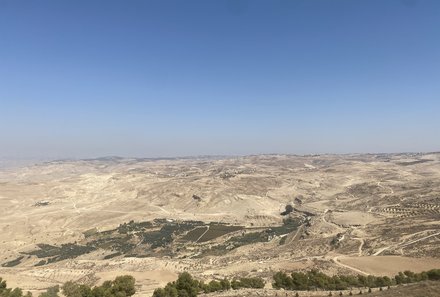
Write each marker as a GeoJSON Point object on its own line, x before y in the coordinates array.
{"type": "Point", "coordinates": [353, 218]}
{"type": "Point", "coordinates": [357, 212]}
{"type": "Point", "coordinates": [390, 265]}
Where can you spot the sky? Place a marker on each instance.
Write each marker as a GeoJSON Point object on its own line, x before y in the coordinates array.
{"type": "Point", "coordinates": [84, 79]}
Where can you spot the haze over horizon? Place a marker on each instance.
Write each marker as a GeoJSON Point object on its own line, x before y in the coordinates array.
{"type": "Point", "coordinates": [88, 79]}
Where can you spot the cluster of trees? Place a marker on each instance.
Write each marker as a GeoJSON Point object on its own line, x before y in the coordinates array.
{"type": "Point", "coordinates": [122, 286]}
{"type": "Point", "coordinates": [288, 209]}
{"type": "Point", "coordinates": [407, 277]}
{"type": "Point", "coordinates": [317, 280]}
{"type": "Point", "coordinates": [51, 292]}
{"type": "Point", "coordinates": [248, 282]}
{"type": "Point", "coordinates": [187, 286]}
{"type": "Point", "coordinates": [314, 279]}
{"type": "Point", "coordinates": [9, 292]}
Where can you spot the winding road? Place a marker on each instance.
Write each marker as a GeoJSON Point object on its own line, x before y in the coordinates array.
{"type": "Point", "coordinates": [404, 244]}
{"type": "Point", "coordinates": [336, 260]}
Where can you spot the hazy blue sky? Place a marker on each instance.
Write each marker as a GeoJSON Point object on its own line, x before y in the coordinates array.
{"type": "Point", "coordinates": [171, 78]}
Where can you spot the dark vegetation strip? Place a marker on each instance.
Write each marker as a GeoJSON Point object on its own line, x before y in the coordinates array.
{"type": "Point", "coordinates": [59, 253]}
{"type": "Point", "coordinates": [14, 262]}
{"type": "Point", "coordinates": [289, 225]}
{"type": "Point", "coordinates": [112, 255]}
{"type": "Point", "coordinates": [217, 231]}
{"type": "Point", "coordinates": [195, 234]}
{"type": "Point", "coordinates": [314, 279]}
{"type": "Point", "coordinates": [121, 286]}
{"type": "Point", "coordinates": [414, 162]}
{"type": "Point", "coordinates": [187, 286]}
{"type": "Point", "coordinates": [156, 238]}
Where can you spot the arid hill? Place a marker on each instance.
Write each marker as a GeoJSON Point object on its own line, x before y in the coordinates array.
{"type": "Point", "coordinates": [90, 220]}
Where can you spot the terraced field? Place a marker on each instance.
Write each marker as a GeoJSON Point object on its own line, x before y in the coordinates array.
{"type": "Point", "coordinates": [412, 210]}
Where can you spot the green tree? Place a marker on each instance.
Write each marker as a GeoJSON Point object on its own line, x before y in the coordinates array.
{"type": "Point", "coordinates": [433, 274]}
{"type": "Point", "coordinates": [71, 289]}
{"type": "Point", "coordinates": [186, 283]}
{"type": "Point", "coordinates": [51, 292]}
{"type": "Point", "coordinates": [124, 286]}
{"type": "Point", "coordinates": [170, 290]}
{"type": "Point", "coordinates": [214, 286]}
{"type": "Point", "coordinates": [160, 292]}
{"type": "Point", "coordinates": [225, 284]}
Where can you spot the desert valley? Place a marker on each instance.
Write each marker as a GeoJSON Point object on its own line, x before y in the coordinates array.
{"type": "Point", "coordinates": [215, 217]}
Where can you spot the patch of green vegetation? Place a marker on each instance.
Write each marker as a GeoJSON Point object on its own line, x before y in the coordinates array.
{"type": "Point", "coordinates": [112, 255]}
{"type": "Point", "coordinates": [289, 225]}
{"type": "Point", "coordinates": [217, 230]}
{"type": "Point", "coordinates": [165, 236]}
{"type": "Point", "coordinates": [59, 253]}
{"type": "Point", "coordinates": [121, 286]}
{"type": "Point", "coordinates": [13, 263]}
{"type": "Point", "coordinates": [187, 286]}
{"type": "Point", "coordinates": [248, 282]}
{"type": "Point", "coordinates": [195, 234]}
{"type": "Point", "coordinates": [122, 244]}
{"type": "Point", "coordinates": [249, 238]}
{"type": "Point", "coordinates": [161, 238]}
{"type": "Point", "coordinates": [133, 226]}
{"type": "Point", "coordinates": [283, 240]}
{"type": "Point", "coordinates": [41, 263]}
{"type": "Point", "coordinates": [155, 238]}
{"type": "Point", "coordinates": [314, 279]}
{"type": "Point", "coordinates": [90, 232]}
{"type": "Point", "coordinates": [51, 292]}
{"type": "Point", "coordinates": [288, 209]}
{"type": "Point", "coordinates": [414, 162]}
{"type": "Point", "coordinates": [9, 292]}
